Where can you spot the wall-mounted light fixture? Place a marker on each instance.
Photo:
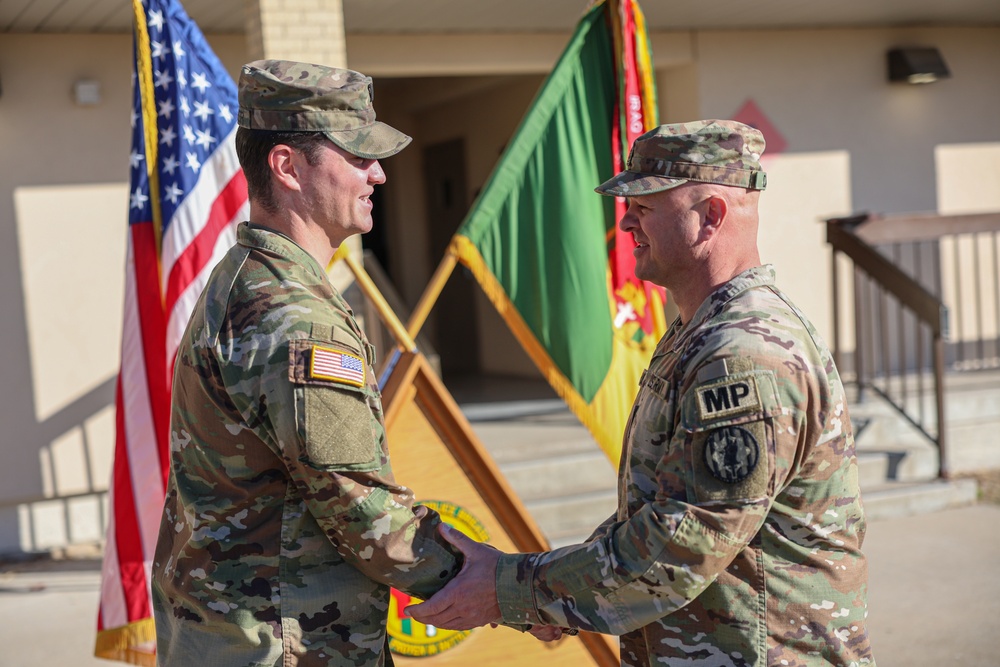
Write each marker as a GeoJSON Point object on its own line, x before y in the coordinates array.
{"type": "Point", "coordinates": [87, 93]}
{"type": "Point", "coordinates": [920, 65]}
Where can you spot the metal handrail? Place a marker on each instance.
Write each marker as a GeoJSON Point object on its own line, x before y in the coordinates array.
{"type": "Point", "coordinates": [842, 235]}
{"type": "Point", "coordinates": [899, 265]}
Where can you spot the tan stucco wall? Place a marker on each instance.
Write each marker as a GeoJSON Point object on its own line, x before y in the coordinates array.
{"type": "Point", "coordinates": [63, 204]}
{"type": "Point", "coordinates": [855, 141]}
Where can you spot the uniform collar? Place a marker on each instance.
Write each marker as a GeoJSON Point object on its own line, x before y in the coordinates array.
{"type": "Point", "coordinates": [269, 240]}
{"type": "Point", "coordinates": [758, 276]}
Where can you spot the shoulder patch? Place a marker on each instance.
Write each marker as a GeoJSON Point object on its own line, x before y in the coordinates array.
{"type": "Point", "coordinates": [731, 454]}
{"type": "Point", "coordinates": [728, 397]}
{"type": "Point", "coordinates": [327, 363]}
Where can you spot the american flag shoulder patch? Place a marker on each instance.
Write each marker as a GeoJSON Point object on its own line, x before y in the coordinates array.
{"type": "Point", "coordinates": [327, 363]}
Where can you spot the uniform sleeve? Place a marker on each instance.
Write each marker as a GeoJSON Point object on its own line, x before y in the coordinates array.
{"type": "Point", "coordinates": [656, 562]}
{"type": "Point", "coordinates": [602, 529]}
{"type": "Point", "coordinates": [314, 400]}
{"type": "Point", "coordinates": [716, 483]}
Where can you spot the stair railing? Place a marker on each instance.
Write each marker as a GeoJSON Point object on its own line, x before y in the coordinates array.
{"type": "Point", "coordinates": [909, 273]}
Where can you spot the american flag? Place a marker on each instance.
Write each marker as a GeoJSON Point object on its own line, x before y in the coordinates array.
{"type": "Point", "coordinates": [186, 195]}
{"type": "Point", "coordinates": [330, 364]}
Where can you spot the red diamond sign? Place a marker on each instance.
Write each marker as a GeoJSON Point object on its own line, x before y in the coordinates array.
{"type": "Point", "coordinates": [750, 114]}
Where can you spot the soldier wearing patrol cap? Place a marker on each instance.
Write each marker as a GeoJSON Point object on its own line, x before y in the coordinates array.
{"type": "Point", "coordinates": [737, 540]}
{"type": "Point", "coordinates": [283, 527]}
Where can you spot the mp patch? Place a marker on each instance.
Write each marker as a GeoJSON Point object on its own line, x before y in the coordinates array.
{"type": "Point", "coordinates": [728, 397]}
{"type": "Point", "coordinates": [731, 453]}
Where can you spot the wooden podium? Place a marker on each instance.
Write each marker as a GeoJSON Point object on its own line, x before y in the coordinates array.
{"type": "Point", "coordinates": [435, 452]}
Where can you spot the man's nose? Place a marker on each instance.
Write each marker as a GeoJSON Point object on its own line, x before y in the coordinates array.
{"type": "Point", "coordinates": [375, 174]}
{"type": "Point", "coordinates": [628, 220]}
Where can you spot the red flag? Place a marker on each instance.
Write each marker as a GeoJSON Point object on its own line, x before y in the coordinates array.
{"type": "Point", "coordinates": [186, 195]}
{"type": "Point", "coordinates": [637, 113]}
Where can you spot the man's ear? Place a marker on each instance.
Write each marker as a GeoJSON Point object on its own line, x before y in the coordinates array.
{"type": "Point", "coordinates": [716, 210]}
{"type": "Point", "coordinates": [284, 163]}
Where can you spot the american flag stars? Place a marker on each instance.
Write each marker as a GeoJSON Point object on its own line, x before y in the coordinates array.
{"type": "Point", "coordinates": [194, 112]}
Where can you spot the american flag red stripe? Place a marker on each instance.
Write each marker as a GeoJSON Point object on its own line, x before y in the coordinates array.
{"type": "Point", "coordinates": [200, 192]}
{"type": "Point", "coordinates": [190, 271]}
{"type": "Point", "coordinates": [141, 268]}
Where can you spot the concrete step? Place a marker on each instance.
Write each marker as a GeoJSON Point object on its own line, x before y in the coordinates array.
{"type": "Point", "coordinates": [897, 463]}
{"type": "Point", "coordinates": [561, 475]}
{"type": "Point", "coordinates": [900, 499]}
{"type": "Point", "coordinates": [572, 519]}
{"type": "Point", "coordinates": [972, 407]}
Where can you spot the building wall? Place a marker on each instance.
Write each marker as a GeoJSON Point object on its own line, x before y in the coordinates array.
{"type": "Point", "coordinates": [854, 142]}
{"type": "Point", "coordinates": [63, 199]}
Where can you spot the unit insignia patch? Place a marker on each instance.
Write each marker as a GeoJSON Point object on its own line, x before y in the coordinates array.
{"type": "Point", "coordinates": [731, 453]}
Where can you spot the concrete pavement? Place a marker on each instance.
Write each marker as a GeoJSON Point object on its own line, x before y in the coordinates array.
{"type": "Point", "coordinates": [934, 598]}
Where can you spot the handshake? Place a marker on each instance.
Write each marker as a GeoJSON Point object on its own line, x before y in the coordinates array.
{"type": "Point", "coordinates": [470, 599]}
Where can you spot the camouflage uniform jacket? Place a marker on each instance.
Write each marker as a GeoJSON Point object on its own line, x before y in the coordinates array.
{"type": "Point", "coordinates": [283, 528]}
{"type": "Point", "coordinates": [739, 525]}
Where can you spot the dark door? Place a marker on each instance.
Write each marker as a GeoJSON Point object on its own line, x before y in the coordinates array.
{"type": "Point", "coordinates": [455, 334]}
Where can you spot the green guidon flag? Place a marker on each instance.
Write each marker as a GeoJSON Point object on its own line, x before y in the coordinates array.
{"type": "Point", "coordinates": [545, 247]}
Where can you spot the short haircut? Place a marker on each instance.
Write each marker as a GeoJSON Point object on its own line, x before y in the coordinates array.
{"type": "Point", "coordinates": [252, 149]}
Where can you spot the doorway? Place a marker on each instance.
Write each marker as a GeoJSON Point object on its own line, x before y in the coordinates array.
{"type": "Point", "coordinates": [454, 324]}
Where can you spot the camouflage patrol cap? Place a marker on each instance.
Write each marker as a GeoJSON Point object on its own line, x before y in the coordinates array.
{"type": "Point", "coordinates": [708, 151]}
{"type": "Point", "coordinates": [299, 97]}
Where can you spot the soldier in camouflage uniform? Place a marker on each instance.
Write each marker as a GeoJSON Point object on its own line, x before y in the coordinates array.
{"type": "Point", "coordinates": [737, 541]}
{"type": "Point", "coordinates": [283, 527]}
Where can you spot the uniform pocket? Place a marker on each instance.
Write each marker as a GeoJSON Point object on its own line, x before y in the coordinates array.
{"type": "Point", "coordinates": [337, 426]}
{"type": "Point", "coordinates": [650, 425]}
{"type": "Point", "coordinates": [334, 413]}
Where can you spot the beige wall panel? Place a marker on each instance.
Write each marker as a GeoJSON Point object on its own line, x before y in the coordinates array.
{"type": "Point", "coordinates": [454, 55]}
{"type": "Point", "coordinates": [73, 255]}
{"type": "Point", "coordinates": [968, 177]}
{"type": "Point", "coordinates": [672, 48]}
{"type": "Point", "coordinates": [828, 90]}
{"type": "Point", "coordinates": [457, 55]}
{"type": "Point", "coordinates": [677, 93]}
{"type": "Point", "coordinates": [63, 206]}
{"type": "Point", "coordinates": [802, 190]}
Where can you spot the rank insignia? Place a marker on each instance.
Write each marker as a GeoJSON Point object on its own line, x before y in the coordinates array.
{"type": "Point", "coordinates": [731, 453]}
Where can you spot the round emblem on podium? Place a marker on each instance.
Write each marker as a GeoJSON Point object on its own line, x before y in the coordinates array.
{"type": "Point", "coordinates": [410, 637]}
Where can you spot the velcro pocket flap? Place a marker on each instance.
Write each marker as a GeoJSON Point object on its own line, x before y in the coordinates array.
{"type": "Point", "coordinates": [333, 414]}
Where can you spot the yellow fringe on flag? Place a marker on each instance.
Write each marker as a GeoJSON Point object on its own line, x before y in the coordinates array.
{"type": "Point", "coordinates": [119, 643]}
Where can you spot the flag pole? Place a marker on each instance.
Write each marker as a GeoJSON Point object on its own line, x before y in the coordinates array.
{"type": "Point", "coordinates": [144, 74]}
{"type": "Point", "coordinates": [432, 292]}
{"type": "Point", "coordinates": [370, 290]}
